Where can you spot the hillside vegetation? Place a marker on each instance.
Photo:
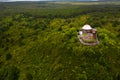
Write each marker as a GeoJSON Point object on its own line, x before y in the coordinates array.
{"type": "Point", "coordinates": [38, 41]}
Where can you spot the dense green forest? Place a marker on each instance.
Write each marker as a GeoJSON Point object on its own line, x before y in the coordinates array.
{"type": "Point", "coordinates": [38, 41]}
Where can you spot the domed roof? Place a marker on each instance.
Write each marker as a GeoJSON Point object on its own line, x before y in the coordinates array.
{"type": "Point", "coordinates": [87, 27]}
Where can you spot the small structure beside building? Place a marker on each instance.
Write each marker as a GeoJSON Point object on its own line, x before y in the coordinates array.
{"type": "Point", "coordinates": [88, 35]}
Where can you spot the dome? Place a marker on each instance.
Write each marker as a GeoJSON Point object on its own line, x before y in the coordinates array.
{"type": "Point", "coordinates": [87, 27]}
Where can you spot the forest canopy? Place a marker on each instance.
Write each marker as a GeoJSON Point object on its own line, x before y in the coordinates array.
{"type": "Point", "coordinates": [38, 41]}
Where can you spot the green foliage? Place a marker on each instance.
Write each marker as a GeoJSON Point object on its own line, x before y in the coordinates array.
{"type": "Point", "coordinates": [9, 73]}
{"type": "Point", "coordinates": [40, 40]}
